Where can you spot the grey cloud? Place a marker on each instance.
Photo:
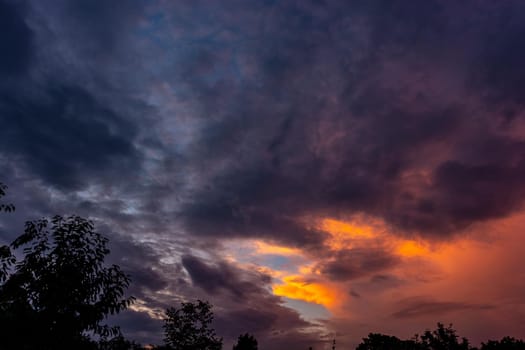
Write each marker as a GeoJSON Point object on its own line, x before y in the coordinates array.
{"type": "Point", "coordinates": [214, 278]}
{"type": "Point", "coordinates": [140, 262]}
{"type": "Point", "coordinates": [420, 306]}
{"type": "Point", "coordinates": [355, 263]}
{"type": "Point", "coordinates": [65, 136]}
{"type": "Point", "coordinates": [139, 326]}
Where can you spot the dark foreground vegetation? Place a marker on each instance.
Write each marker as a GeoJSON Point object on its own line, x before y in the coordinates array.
{"type": "Point", "coordinates": [443, 338]}
{"type": "Point", "coordinates": [56, 292]}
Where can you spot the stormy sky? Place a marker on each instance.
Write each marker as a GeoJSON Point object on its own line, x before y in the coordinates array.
{"type": "Point", "coordinates": [313, 168]}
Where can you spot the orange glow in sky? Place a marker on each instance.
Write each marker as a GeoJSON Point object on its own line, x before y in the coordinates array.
{"type": "Point", "coordinates": [409, 248]}
{"type": "Point", "coordinates": [346, 229]}
{"type": "Point", "coordinates": [301, 280]}
{"type": "Point", "coordinates": [446, 271]}
{"type": "Point", "coordinates": [296, 287]}
{"type": "Point", "coordinates": [345, 234]}
{"type": "Point", "coordinates": [272, 249]}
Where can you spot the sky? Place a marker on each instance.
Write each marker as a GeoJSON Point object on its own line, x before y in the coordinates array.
{"type": "Point", "coordinates": [316, 169]}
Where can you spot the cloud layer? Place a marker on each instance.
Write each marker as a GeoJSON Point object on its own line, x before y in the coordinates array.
{"type": "Point", "coordinates": [258, 153]}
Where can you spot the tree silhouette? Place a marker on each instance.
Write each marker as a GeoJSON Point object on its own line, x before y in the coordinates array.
{"type": "Point", "coordinates": [246, 342]}
{"type": "Point", "coordinates": [60, 291]}
{"type": "Point", "coordinates": [443, 338]}
{"type": "Point", "coordinates": [6, 258]}
{"type": "Point", "coordinates": [507, 343]}
{"type": "Point", "coordinates": [118, 343]}
{"type": "Point", "coordinates": [376, 341]}
{"type": "Point", "coordinates": [188, 328]}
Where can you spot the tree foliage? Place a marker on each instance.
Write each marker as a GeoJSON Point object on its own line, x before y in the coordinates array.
{"type": "Point", "coordinates": [376, 341]}
{"type": "Point", "coordinates": [61, 290]}
{"type": "Point", "coordinates": [118, 343]}
{"type": "Point", "coordinates": [443, 338]}
{"type": "Point", "coordinates": [507, 343]}
{"type": "Point", "coordinates": [189, 327]}
{"type": "Point", "coordinates": [246, 342]}
{"type": "Point", "coordinates": [5, 207]}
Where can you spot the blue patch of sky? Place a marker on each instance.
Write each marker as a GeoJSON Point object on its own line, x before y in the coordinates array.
{"type": "Point", "coordinates": [309, 311]}
{"type": "Point", "coordinates": [279, 262]}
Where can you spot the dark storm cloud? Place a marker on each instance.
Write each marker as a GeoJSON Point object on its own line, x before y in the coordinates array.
{"type": "Point", "coordinates": [213, 279]}
{"type": "Point", "coordinates": [65, 132]}
{"type": "Point", "coordinates": [350, 264]}
{"type": "Point", "coordinates": [141, 263]}
{"type": "Point", "coordinates": [473, 192]}
{"type": "Point", "coordinates": [498, 70]}
{"type": "Point", "coordinates": [340, 103]}
{"type": "Point", "coordinates": [88, 31]}
{"type": "Point", "coordinates": [139, 326]}
{"type": "Point", "coordinates": [231, 220]}
{"type": "Point", "coordinates": [104, 23]}
{"type": "Point", "coordinates": [16, 39]}
{"type": "Point", "coordinates": [403, 110]}
{"type": "Point", "coordinates": [65, 136]}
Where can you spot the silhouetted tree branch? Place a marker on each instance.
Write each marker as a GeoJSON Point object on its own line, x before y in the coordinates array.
{"type": "Point", "coordinates": [188, 328]}
{"type": "Point", "coordinates": [5, 207]}
{"type": "Point", "coordinates": [246, 342]}
{"type": "Point", "coordinates": [60, 291]}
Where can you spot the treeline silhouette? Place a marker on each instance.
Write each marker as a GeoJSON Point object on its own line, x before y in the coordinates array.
{"type": "Point", "coordinates": [56, 292]}
{"type": "Point", "coordinates": [442, 338]}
